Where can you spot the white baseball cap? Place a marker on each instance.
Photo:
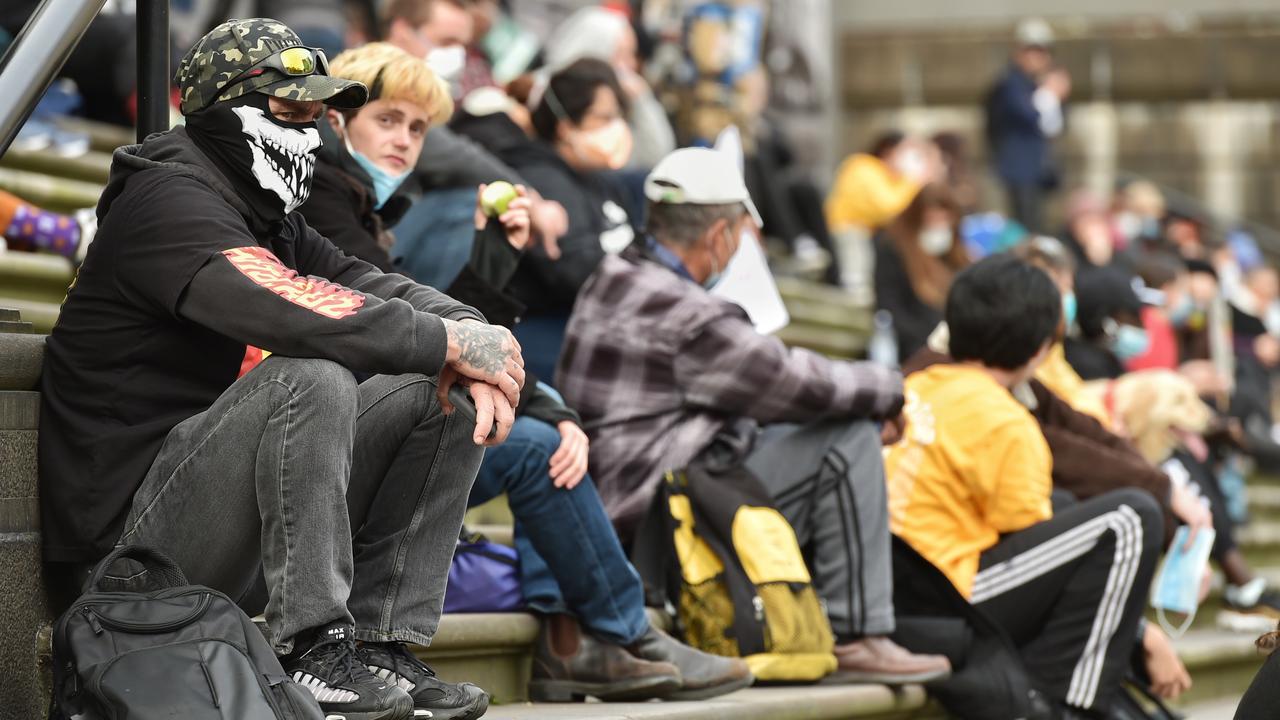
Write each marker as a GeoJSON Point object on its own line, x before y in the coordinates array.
{"type": "Point", "coordinates": [699, 176]}
{"type": "Point", "coordinates": [1034, 32]}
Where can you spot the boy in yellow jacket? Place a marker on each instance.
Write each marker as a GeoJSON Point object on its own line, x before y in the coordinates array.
{"type": "Point", "coordinates": [969, 489]}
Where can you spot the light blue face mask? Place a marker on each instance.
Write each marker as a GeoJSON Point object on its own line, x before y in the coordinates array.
{"type": "Point", "coordinates": [1069, 308]}
{"type": "Point", "coordinates": [384, 183]}
{"type": "Point", "coordinates": [718, 272]}
{"type": "Point", "coordinates": [1129, 342]}
{"type": "Point", "coordinates": [1177, 585]}
{"type": "Point", "coordinates": [1179, 314]}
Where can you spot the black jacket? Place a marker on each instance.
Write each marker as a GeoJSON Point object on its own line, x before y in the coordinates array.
{"type": "Point", "coordinates": [341, 208]}
{"type": "Point", "coordinates": [913, 319]}
{"type": "Point", "coordinates": [178, 283]}
{"type": "Point", "coordinates": [598, 223]}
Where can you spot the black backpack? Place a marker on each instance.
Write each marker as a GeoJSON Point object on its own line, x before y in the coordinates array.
{"type": "Point", "coordinates": [173, 650]}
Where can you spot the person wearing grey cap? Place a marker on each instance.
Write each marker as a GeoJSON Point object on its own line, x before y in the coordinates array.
{"type": "Point", "coordinates": [163, 426]}
{"type": "Point", "coordinates": [1024, 114]}
{"type": "Point", "coordinates": [664, 373]}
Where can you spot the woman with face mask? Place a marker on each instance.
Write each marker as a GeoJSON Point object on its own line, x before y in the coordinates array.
{"type": "Point", "coordinates": [581, 137]}
{"type": "Point", "coordinates": [916, 255]}
{"type": "Point", "coordinates": [603, 33]}
{"type": "Point", "coordinates": [1110, 323]}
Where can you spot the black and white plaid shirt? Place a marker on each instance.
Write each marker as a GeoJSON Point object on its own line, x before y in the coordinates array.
{"type": "Point", "coordinates": [657, 366]}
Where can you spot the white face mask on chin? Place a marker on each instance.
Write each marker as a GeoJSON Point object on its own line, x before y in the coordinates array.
{"type": "Point", "coordinates": [447, 61]}
{"type": "Point", "coordinates": [936, 241]}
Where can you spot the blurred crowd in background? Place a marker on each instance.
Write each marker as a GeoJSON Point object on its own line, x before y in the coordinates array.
{"type": "Point", "coordinates": [1150, 281]}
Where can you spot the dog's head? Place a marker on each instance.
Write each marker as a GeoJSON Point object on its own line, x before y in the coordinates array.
{"type": "Point", "coordinates": [1159, 409]}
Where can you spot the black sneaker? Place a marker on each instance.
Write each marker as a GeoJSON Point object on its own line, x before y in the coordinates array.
{"type": "Point", "coordinates": [346, 690]}
{"type": "Point", "coordinates": [432, 697]}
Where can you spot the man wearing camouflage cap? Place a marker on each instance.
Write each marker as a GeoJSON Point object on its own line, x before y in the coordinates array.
{"type": "Point", "coordinates": [163, 425]}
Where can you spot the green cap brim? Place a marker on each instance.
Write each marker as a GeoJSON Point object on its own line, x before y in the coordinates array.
{"type": "Point", "coordinates": [334, 92]}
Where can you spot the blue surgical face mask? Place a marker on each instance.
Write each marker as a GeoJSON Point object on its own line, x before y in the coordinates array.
{"type": "Point", "coordinates": [384, 183]}
{"type": "Point", "coordinates": [1181, 312]}
{"type": "Point", "coordinates": [1177, 584]}
{"type": "Point", "coordinates": [1129, 342]}
{"type": "Point", "coordinates": [1069, 308]}
{"type": "Point", "coordinates": [716, 272]}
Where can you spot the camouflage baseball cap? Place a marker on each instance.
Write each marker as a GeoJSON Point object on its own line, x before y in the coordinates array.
{"type": "Point", "coordinates": [236, 46]}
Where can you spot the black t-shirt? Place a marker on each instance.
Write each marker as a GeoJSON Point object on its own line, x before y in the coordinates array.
{"type": "Point", "coordinates": [174, 290]}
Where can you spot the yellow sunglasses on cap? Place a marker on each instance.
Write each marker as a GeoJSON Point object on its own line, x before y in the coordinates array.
{"type": "Point", "coordinates": [293, 62]}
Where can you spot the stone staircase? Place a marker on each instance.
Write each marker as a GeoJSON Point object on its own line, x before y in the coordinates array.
{"type": "Point", "coordinates": [494, 651]}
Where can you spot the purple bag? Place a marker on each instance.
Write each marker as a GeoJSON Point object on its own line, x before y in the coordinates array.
{"type": "Point", "coordinates": [484, 577]}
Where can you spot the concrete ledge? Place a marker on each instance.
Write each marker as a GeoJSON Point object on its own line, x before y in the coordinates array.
{"type": "Point", "coordinates": [492, 650]}
{"type": "Point", "coordinates": [777, 703]}
{"type": "Point", "coordinates": [20, 358]}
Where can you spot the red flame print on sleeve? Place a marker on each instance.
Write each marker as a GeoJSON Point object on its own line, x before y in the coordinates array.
{"type": "Point", "coordinates": [319, 296]}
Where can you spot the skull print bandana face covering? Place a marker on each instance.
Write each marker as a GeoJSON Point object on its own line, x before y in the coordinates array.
{"type": "Point", "coordinates": [268, 160]}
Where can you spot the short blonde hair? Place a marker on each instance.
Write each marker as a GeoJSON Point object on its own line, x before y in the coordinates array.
{"type": "Point", "coordinates": [393, 74]}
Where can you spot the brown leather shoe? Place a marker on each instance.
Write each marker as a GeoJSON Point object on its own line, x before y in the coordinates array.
{"type": "Point", "coordinates": [704, 675]}
{"type": "Point", "coordinates": [881, 660]}
{"type": "Point", "coordinates": [569, 665]}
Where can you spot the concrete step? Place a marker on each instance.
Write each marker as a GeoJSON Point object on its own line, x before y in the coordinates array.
{"type": "Point", "coordinates": [776, 703]}
{"type": "Point", "coordinates": [495, 652]}
{"type": "Point", "coordinates": [492, 650]}
{"type": "Point", "coordinates": [1221, 663]}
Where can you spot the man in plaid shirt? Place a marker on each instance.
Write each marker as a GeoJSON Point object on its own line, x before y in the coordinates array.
{"type": "Point", "coordinates": [663, 372]}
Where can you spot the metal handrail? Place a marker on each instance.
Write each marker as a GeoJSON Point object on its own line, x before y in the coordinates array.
{"type": "Point", "coordinates": [35, 57]}
{"type": "Point", "coordinates": [47, 40]}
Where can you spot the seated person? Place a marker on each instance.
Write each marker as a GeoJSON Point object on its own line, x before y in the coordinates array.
{"type": "Point", "coordinates": [291, 474]}
{"type": "Point", "coordinates": [916, 255]}
{"type": "Point", "coordinates": [542, 467]}
{"type": "Point", "coordinates": [1110, 324]}
{"type": "Point", "coordinates": [969, 489]}
{"type": "Point", "coordinates": [661, 370]}
{"type": "Point", "coordinates": [581, 135]}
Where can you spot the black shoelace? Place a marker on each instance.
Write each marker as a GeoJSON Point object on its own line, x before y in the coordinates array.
{"type": "Point", "coordinates": [339, 660]}
{"type": "Point", "coordinates": [402, 659]}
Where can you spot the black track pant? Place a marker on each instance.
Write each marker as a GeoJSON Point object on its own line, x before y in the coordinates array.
{"type": "Point", "coordinates": [1070, 591]}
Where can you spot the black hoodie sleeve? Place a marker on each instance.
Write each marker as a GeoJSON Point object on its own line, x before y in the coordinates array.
{"type": "Point", "coordinates": [580, 248]}
{"type": "Point", "coordinates": [192, 257]}
{"type": "Point", "coordinates": [320, 258]}
{"type": "Point", "coordinates": [247, 295]}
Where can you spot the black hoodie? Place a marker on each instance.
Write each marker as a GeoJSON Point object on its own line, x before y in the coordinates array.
{"type": "Point", "coordinates": [175, 289]}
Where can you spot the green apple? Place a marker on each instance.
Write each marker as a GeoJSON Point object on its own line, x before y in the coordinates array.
{"type": "Point", "coordinates": [496, 197]}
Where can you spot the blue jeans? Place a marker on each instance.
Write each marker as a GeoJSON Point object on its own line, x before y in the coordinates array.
{"type": "Point", "coordinates": [570, 557]}
{"type": "Point", "coordinates": [433, 239]}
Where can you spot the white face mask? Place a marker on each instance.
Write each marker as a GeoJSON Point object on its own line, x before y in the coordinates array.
{"type": "Point", "coordinates": [911, 163]}
{"type": "Point", "coordinates": [937, 240]}
{"type": "Point", "coordinates": [447, 61]}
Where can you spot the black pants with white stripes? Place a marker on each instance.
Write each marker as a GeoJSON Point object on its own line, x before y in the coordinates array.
{"type": "Point", "coordinates": [1070, 591]}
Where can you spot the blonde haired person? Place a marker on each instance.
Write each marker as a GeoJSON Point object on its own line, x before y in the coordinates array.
{"type": "Point", "coordinates": [369, 152]}
{"type": "Point", "coordinates": [542, 468]}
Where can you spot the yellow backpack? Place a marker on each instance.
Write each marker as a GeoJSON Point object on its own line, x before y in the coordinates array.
{"type": "Point", "coordinates": [727, 565]}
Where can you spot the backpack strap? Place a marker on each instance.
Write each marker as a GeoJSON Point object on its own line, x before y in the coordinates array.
{"type": "Point", "coordinates": [161, 570]}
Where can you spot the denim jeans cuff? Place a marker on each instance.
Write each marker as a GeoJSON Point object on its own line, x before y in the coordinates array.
{"type": "Point", "coordinates": [403, 636]}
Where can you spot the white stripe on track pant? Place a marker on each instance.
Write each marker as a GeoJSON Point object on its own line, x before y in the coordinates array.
{"type": "Point", "coordinates": [1070, 590]}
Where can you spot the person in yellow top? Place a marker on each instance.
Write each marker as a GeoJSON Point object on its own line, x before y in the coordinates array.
{"type": "Point", "coordinates": [969, 488]}
{"type": "Point", "coordinates": [874, 187]}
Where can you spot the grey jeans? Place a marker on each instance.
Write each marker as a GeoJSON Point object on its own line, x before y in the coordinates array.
{"type": "Point", "coordinates": [346, 499]}
{"type": "Point", "coordinates": [827, 478]}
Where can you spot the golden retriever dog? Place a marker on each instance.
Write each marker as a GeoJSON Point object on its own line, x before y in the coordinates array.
{"type": "Point", "coordinates": [1157, 410]}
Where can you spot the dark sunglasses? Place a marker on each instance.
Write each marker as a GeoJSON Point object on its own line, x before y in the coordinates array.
{"type": "Point", "coordinates": [292, 62]}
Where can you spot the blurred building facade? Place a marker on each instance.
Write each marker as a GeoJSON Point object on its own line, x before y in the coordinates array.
{"type": "Point", "coordinates": [1180, 91]}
